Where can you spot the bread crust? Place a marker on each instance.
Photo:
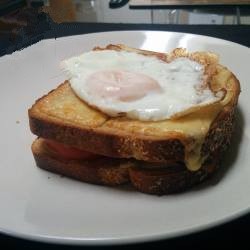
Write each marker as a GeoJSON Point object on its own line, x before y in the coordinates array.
{"type": "Point", "coordinates": [120, 144]}
{"type": "Point", "coordinates": [116, 145]}
{"type": "Point", "coordinates": [174, 179]}
{"type": "Point", "coordinates": [220, 133]}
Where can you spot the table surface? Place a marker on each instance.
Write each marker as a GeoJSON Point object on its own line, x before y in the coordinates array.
{"type": "Point", "coordinates": [239, 228]}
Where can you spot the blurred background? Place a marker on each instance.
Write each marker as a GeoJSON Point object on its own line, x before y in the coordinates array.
{"type": "Point", "coordinates": [17, 15]}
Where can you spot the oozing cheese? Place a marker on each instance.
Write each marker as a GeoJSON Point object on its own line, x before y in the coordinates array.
{"type": "Point", "coordinates": [194, 127]}
{"type": "Point", "coordinates": [198, 129]}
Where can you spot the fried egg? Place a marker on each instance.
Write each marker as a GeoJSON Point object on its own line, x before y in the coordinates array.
{"type": "Point", "coordinates": [121, 83]}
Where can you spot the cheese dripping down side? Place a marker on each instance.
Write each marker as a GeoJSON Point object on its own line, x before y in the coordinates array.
{"type": "Point", "coordinates": [197, 130]}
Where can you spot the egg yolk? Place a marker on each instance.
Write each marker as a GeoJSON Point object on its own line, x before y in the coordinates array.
{"type": "Point", "coordinates": [122, 85]}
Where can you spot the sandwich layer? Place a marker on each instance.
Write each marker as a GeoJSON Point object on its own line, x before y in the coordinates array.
{"type": "Point", "coordinates": [145, 177]}
{"type": "Point", "coordinates": [99, 170]}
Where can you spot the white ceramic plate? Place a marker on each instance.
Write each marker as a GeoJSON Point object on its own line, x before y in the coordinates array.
{"type": "Point", "coordinates": [38, 205]}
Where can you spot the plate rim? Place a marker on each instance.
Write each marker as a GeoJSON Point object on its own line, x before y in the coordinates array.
{"type": "Point", "coordinates": [116, 241]}
{"type": "Point", "coordinates": [141, 30]}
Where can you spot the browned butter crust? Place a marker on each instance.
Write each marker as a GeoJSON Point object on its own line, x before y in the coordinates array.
{"type": "Point", "coordinates": [117, 144]}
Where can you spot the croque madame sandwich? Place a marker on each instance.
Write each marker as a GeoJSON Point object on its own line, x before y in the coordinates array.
{"type": "Point", "coordinates": [158, 121]}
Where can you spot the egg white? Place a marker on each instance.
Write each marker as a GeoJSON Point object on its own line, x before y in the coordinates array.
{"type": "Point", "coordinates": [180, 80]}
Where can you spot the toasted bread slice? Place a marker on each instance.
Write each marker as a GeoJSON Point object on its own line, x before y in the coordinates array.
{"type": "Point", "coordinates": [192, 138]}
{"type": "Point", "coordinates": [145, 177]}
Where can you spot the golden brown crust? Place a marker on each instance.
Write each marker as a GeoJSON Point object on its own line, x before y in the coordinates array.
{"type": "Point", "coordinates": [145, 177]}
{"type": "Point", "coordinates": [117, 145]}
{"type": "Point", "coordinates": [121, 143]}
{"type": "Point", "coordinates": [219, 135]}
{"type": "Point", "coordinates": [124, 145]}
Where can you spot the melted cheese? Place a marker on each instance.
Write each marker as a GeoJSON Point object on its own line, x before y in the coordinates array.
{"type": "Point", "coordinates": [195, 127]}
{"type": "Point", "coordinates": [191, 129]}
